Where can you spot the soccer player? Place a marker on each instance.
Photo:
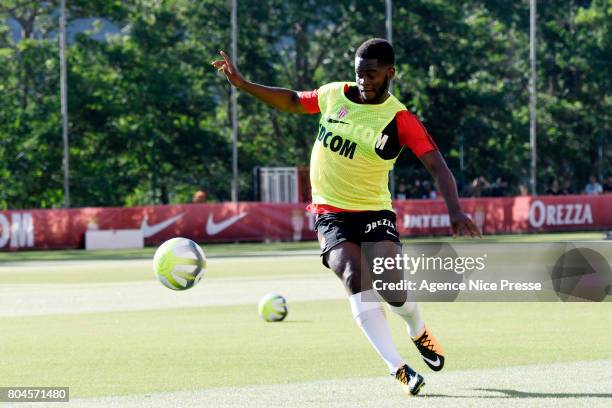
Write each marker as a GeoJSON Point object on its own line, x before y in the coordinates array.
{"type": "Point", "coordinates": [362, 131]}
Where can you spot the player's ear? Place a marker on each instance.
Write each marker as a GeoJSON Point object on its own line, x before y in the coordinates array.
{"type": "Point", "coordinates": [391, 72]}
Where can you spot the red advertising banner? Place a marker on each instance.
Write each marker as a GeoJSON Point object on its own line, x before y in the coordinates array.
{"type": "Point", "coordinates": [509, 215]}
{"type": "Point", "coordinates": [250, 221]}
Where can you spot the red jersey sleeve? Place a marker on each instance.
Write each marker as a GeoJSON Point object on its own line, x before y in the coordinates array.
{"type": "Point", "coordinates": [412, 133]}
{"type": "Point", "coordinates": [310, 101]}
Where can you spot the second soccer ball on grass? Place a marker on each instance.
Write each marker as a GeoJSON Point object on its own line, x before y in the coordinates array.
{"type": "Point", "coordinates": [273, 308]}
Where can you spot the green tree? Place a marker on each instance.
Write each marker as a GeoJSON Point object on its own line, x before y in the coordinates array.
{"type": "Point", "coordinates": [149, 116]}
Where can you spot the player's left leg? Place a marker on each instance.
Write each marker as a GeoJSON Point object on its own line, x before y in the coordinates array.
{"type": "Point", "coordinates": [430, 349]}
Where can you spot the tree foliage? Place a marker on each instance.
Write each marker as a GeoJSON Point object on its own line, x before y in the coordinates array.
{"type": "Point", "coordinates": [149, 116]}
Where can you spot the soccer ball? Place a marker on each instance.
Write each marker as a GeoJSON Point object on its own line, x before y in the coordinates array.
{"type": "Point", "coordinates": [273, 308]}
{"type": "Point", "coordinates": [179, 263]}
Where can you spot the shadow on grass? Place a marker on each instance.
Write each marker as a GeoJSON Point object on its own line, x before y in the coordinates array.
{"type": "Point", "coordinates": [522, 394]}
{"type": "Point", "coordinates": [509, 394]}
{"type": "Point", "coordinates": [297, 321]}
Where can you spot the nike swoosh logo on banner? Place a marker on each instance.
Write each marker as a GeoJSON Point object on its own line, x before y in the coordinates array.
{"type": "Point", "coordinates": [433, 363]}
{"type": "Point", "coordinates": [213, 228]}
{"type": "Point", "coordinates": [150, 230]}
{"type": "Point", "coordinates": [330, 120]}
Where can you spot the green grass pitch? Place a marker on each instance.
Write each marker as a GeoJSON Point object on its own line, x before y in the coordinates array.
{"type": "Point", "coordinates": [164, 350]}
{"type": "Point", "coordinates": [169, 350]}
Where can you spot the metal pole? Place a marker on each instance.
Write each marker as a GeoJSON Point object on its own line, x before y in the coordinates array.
{"type": "Point", "coordinates": [532, 94]}
{"type": "Point", "coordinates": [600, 173]}
{"type": "Point", "coordinates": [64, 100]}
{"type": "Point", "coordinates": [389, 26]}
{"type": "Point", "coordinates": [234, 103]}
{"type": "Point", "coordinates": [461, 162]}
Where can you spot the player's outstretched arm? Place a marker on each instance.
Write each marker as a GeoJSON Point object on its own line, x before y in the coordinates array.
{"type": "Point", "coordinates": [282, 99]}
{"type": "Point", "coordinates": [461, 223]}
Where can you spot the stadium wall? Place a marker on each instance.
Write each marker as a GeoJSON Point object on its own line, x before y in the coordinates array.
{"type": "Point", "coordinates": [255, 221]}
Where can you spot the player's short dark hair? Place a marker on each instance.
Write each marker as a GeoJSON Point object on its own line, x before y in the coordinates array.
{"type": "Point", "coordinates": [377, 48]}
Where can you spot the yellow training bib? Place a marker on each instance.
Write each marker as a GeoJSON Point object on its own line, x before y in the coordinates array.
{"type": "Point", "coordinates": [345, 169]}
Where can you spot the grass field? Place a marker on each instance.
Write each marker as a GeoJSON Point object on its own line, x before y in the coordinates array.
{"type": "Point", "coordinates": [102, 325]}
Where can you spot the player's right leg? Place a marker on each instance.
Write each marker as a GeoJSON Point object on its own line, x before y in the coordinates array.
{"type": "Point", "coordinates": [345, 260]}
{"type": "Point", "coordinates": [384, 243]}
{"type": "Point", "coordinates": [341, 253]}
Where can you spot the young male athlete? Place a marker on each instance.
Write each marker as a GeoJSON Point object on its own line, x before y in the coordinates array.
{"type": "Point", "coordinates": [363, 129]}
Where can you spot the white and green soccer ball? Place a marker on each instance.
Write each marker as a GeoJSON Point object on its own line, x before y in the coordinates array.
{"type": "Point", "coordinates": [179, 263]}
{"type": "Point", "coordinates": [273, 308]}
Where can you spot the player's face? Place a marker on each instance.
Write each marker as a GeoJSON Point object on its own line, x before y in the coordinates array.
{"type": "Point", "coordinates": [372, 79]}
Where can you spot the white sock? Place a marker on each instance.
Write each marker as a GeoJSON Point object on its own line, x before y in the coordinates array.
{"type": "Point", "coordinates": [411, 314]}
{"type": "Point", "coordinates": [370, 317]}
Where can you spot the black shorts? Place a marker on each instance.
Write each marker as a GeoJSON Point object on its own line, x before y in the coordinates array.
{"type": "Point", "coordinates": [357, 227]}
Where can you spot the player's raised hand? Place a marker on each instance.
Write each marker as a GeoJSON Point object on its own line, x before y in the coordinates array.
{"type": "Point", "coordinates": [231, 72]}
{"type": "Point", "coordinates": [463, 225]}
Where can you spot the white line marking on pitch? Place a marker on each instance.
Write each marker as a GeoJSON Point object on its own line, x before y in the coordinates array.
{"type": "Point", "coordinates": [49, 299]}
{"type": "Point", "coordinates": [571, 384]}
